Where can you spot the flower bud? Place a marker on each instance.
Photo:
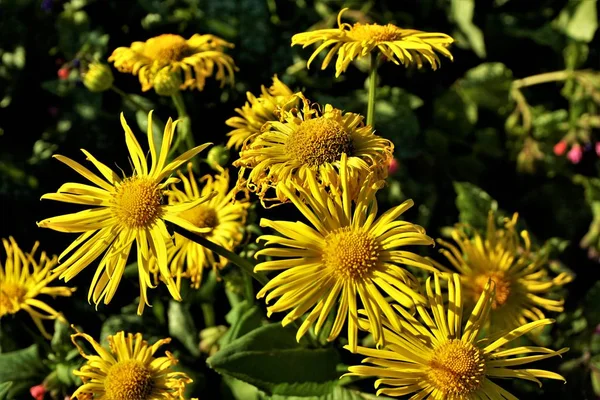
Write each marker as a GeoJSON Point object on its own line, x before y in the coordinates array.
{"type": "Point", "coordinates": [560, 148]}
{"type": "Point", "coordinates": [217, 157]}
{"type": "Point", "coordinates": [393, 166]}
{"type": "Point", "coordinates": [575, 154]}
{"type": "Point", "coordinates": [98, 77]}
{"type": "Point", "coordinates": [167, 82]}
{"type": "Point", "coordinates": [63, 73]}
{"type": "Point", "coordinates": [38, 391]}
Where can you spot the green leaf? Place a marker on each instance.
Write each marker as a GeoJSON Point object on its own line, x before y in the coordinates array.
{"type": "Point", "coordinates": [181, 326]}
{"type": "Point", "coordinates": [123, 322]}
{"type": "Point", "coordinates": [461, 12]}
{"type": "Point", "coordinates": [595, 374]}
{"type": "Point", "coordinates": [61, 339]}
{"type": "Point", "coordinates": [24, 368]}
{"type": "Point", "coordinates": [4, 389]}
{"type": "Point", "coordinates": [286, 368]}
{"type": "Point", "coordinates": [243, 318]}
{"type": "Point", "coordinates": [487, 85]}
{"type": "Point", "coordinates": [454, 114]}
{"type": "Point", "coordinates": [579, 20]}
{"type": "Point", "coordinates": [473, 204]}
{"type": "Point", "coordinates": [337, 393]}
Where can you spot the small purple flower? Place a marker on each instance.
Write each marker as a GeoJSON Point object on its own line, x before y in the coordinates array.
{"type": "Point", "coordinates": [75, 63]}
{"type": "Point", "coordinates": [587, 147]}
{"type": "Point", "coordinates": [47, 5]}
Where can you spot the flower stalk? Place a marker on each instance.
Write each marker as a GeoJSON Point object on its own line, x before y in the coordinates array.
{"type": "Point", "coordinates": [372, 89]}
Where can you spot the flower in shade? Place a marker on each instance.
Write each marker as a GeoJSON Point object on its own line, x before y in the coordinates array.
{"type": "Point", "coordinates": [23, 278]}
{"type": "Point", "coordinates": [349, 257]}
{"type": "Point", "coordinates": [259, 110]}
{"type": "Point", "coordinates": [401, 46]}
{"type": "Point", "coordinates": [575, 154]}
{"type": "Point", "coordinates": [520, 274]}
{"type": "Point", "coordinates": [221, 220]}
{"type": "Point", "coordinates": [310, 139]}
{"type": "Point", "coordinates": [128, 369]}
{"type": "Point", "coordinates": [435, 358]}
{"type": "Point", "coordinates": [123, 211]}
{"type": "Point", "coordinates": [196, 58]}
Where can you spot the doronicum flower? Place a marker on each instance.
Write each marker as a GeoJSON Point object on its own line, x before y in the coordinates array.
{"type": "Point", "coordinates": [401, 46]}
{"type": "Point", "coordinates": [221, 220]}
{"type": "Point", "coordinates": [196, 58]}
{"type": "Point", "coordinates": [128, 370]}
{"type": "Point", "coordinates": [310, 139]}
{"type": "Point", "coordinates": [124, 212]}
{"type": "Point", "coordinates": [259, 110]}
{"type": "Point", "coordinates": [24, 277]}
{"type": "Point", "coordinates": [348, 258]}
{"type": "Point", "coordinates": [435, 358]}
{"type": "Point", "coordinates": [520, 274]}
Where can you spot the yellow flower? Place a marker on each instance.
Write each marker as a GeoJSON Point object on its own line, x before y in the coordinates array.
{"type": "Point", "coordinates": [310, 139]}
{"type": "Point", "coordinates": [401, 46]}
{"type": "Point", "coordinates": [128, 370]}
{"type": "Point", "coordinates": [520, 275]}
{"type": "Point", "coordinates": [259, 110]}
{"type": "Point", "coordinates": [125, 211]}
{"type": "Point", "coordinates": [349, 253]}
{"type": "Point", "coordinates": [23, 278]}
{"type": "Point", "coordinates": [220, 219]}
{"type": "Point", "coordinates": [437, 359]}
{"type": "Point", "coordinates": [196, 57]}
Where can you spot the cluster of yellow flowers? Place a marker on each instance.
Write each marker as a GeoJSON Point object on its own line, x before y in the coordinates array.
{"type": "Point", "coordinates": [348, 260]}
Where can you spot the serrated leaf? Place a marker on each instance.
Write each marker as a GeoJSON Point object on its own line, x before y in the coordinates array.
{"type": "Point", "coordinates": [462, 12]}
{"type": "Point", "coordinates": [24, 368]}
{"type": "Point", "coordinates": [473, 204]}
{"type": "Point", "coordinates": [285, 366]}
{"type": "Point", "coordinates": [181, 326]}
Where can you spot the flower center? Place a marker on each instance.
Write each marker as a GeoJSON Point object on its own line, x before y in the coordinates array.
{"type": "Point", "coordinates": [166, 48]}
{"type": "Point", "coordinates": [350, 254]}
{"type": "Point", "coordinates": [202, 216]}
{"type": "Point", "coordinates": [502, 287]}
{"type": "Point", "coordinates": [318, 141]}
{"type": "Point", "coordinates": [456, 369]}
{"type": "Point", "coordinates": [373, 32]}
{"type": "Point", "coordinates": [128, 380]}
{"type": "Point", "coordinates": [11, 297]}
{"type": "Point", "coordinates": [137, 202]}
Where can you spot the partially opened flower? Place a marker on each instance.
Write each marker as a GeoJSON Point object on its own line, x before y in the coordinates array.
{"type": "Point", "coordinates": [128, 370]}
{"type": "Point", "coordinates": [220, 219]}
{"type": "Point", "coordinates": [346, 259]}
{"type": "Point", "coordinates": [123, 212]}
{"type": "Point", "coordinates": [520, 274]}
{"type": "Point", "coordinates": [401, 46]}
{"type": "Point", "coordinates": [435, 358]}
{"type": "Point", "coordinates": [25, 277]}
{"type": "Point", "coordinates": [196, 58]}
{"type": "Point", "coordinates": [310, 139]}
{"type": "Point", "coordinates": [259, 110]}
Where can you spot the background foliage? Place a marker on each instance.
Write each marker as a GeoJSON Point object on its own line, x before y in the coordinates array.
{"type": "Point", "coordinates": [475, 134]}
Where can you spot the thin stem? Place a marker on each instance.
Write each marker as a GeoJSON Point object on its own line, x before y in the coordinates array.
{"type": "Point", "coordinates": [248, 288]}
{"type": "Point", "coordinates": [244, 264]}
{"type": "Point", "coordinates": [127, 97]}
{"type": "Point", "coordinates": [208, 312]}
{"type": "Point", "coordinates": [372, 89]}
{"type": "Point", "coordinates": [186, 125]}
{"type": "Point", "coordinates": [543, 78]}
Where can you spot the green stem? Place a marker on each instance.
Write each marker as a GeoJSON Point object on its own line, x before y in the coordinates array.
{"type": "Point", "coordinates": [543, 78]}
{"type": "Point", "coordinates": [244, 264]}
{"type": "Point", "coordinates": [208, 312]}
{"type": "Point", "coordinates": [248, 288]}
{"type": "Point", "coordinates": [185, 130]}
{"type": "Point", "coordinates": [130, 99]}
{"type": "Point", "coordinates": [372, 90]}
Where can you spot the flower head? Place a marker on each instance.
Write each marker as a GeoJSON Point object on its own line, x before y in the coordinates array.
{"type": "Point", "coordinates": [197, 58]}
{"type": "Point", "coordinates": [98, 77]}
{"type": "Point", "coordinates": [220, 219]}
{"type": "Point", "coordinates": [128, 370]}
{"type": "Point", "coordinates": [401, 46]}
{"type": "Point", "coordinates": [520, 274]}
{"type": "Point", "coordinates": [259, 110]}
{"type": "Point", "coordinates": [435, 358]}
{"type": "Point", "coordinates": [123, 211]}
{"type": "Point", "coordinates": [310, 139]}
{"type": "Point", "coordinates": [348, 257]}
{"type": "Point", "coordinates": [24, 277]}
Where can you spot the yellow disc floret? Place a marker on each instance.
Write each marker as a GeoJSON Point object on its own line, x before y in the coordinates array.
{"type": "Point", "coordinates": [128, 380]}
{"type": "Point", "coordinates": [137, 202]}
{"type": "Point", "coordinates": [350, 254]}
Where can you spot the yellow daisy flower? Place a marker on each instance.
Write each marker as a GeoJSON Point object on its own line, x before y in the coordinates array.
{"type": "Point", "coordinates": [401, 46]}
{"type": "Point", "coordinates": [220, 219]}
{"type": "Point", "coordinates": [197, 57]}
{"type": "Point", "coordinates": [128, 370]}
{"type": "Point", "coordinates": [259, 110]}
{"type": "Point", "coordinates": [125, 211]}
{"type": "Point", "coordinates": [348, 253]}
{"type": "Point", "coordinates": [439, 360]}
{"type": "Point", "coordinates": [310, 139]}
{"type": "Point", "coordinates": [520, 274]}
{"type": "Point", "coordinates": [23, 278]}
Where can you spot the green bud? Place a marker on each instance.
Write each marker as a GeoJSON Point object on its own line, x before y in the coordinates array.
{"type": "Point", "coordinates": [166, 82]}
{"type": "Point", "coordinates": [98, 77]}
{"type": "Point", "coordinates": [217, 157]}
